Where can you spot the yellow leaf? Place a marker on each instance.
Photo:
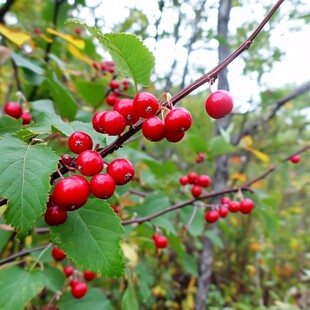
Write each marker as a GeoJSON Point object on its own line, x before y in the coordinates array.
{"type": "Point", "coordinates": [239, 176]}
{"type": "Point", "coordinates": [246, 141]}
{"type": "Point", "coordinates": [251, 269]}
{"type": "Point", "coordinates": [77, 42]}
{"type": "Point", "coordinates": [45, 38]}
{"type": "Point", "coordinates": [130, 253]}
{"type": "Point", "coordinates": [260, 155]}
{"type": "Point", "coordinates": [77, 54]}
{"type": "Point", "coordinates": [16, 36]}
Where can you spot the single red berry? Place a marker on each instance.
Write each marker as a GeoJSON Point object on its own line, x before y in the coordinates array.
{"type": "Point", "coordinates": [103, 66]}
{"type": "Point", "coordinates": [225, 200]}
{"type": "Point", "coordinates": [295, 159]}
{"type": "Point", "coordinates": [37, 30]}
{"type": "Point", "coordinates": [89, 163]}
{"type": "Point", "coordinates": [50, 203]}
{"type": "Point", "coordinates": [88, 275]}
{"type": "Point", "coordinates": [204, 180]}
{"type": "Point", "coordinates": [192, 178]}
{"type": "Point", "coordinates": [95, 65]}
{"type": "Point", "coordinates": [201, 156]}
{"type": "Point", "coordinates": [183, 180]}
{"type": "Point", "coordinates": [26, 117]}
{"type": "Point", "coordinates": [102, 186]}
{"type": "Point", "coordinates": [68, 271]}
{"type": "Point", "coordinates": [178, 120]}
{"type": "Point", "coordinates": [79, 290]}
{"type": "Point", "coordinates": [13, 109]}
{"type": "Point", "coordinates": [112, 123]}
{"type": "Point", "coordinates": [125, 82]}
{"type": "Point", "coordinates": [145, 104]}
{"type": "Point", "coordinates": [58, 254]}
{"type": "Point", "coordinates": [111, 69]}
{"type": "Point", "coordinates": [219, 104]}
{"type": "Point", "coordinates": [223, 211]}
{"type": "Point", "coordinates": [196, 191]}
{"type": "Point", "coordinates": [66, 159]}
{"type": "Point", "coordinates": [74, 282]}
{"type": "Point", "coordinates": [78, 31]}
{"type": "Point", "coordinates": [174, 136]}
{"type": "Point", "coordinates": [246, 206]}
{"type": "Point", "coordinates": [121, 170]}
{"type": "Point", "coordinates": [153, 129]}
{"type": "Point", "coordinates": [55, 216]}
{"type": "Point", "coordinates": [212, 216]}
{"type": "Point", "coordinates": [160, 241]}
{"type": "Point", "coordinates": [80, 141]}
{"type": "Point", "coordinates": [114, 84]}
{"type": "Point", "coordinates": [95, 121]}
{"type": "Point", "coordinates": [111, 100]}
{"type": "Point", "coordinates": [234, 206]}
{"type": "Point", "coordinates": [125, 108]}
{"type": "Point", "coordinates": [71, 193]}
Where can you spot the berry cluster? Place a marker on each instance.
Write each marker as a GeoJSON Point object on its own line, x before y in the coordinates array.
{"type": "Point", "coordinates": [245, 206]}
{"type": "Point", "coordinates": [200, 158]}
{"type": "Point", "coordinates": [197, 181]}
{"type": "Point", "coordinates": [219, 104]}
{"type": "Point", "coordinates": [77, 284]}
{"type": "Point", "coordinates": [13, 109]}
{"type": "Point", "coordinates": [72, 193]}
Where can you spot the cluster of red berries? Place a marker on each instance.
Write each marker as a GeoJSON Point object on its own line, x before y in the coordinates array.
{"type": "Point", "coordinates": [200, 158]}
{"type": "Point", "coordinates": [295, 159]}
{"type": "Point", "coordinates": [72, 193]}
{"type": "Point", "coordinates": [160, 241]}
{"type": "Point", "coordinates": [197, 181]}
{"type": "Point", "coordinates": [219, 104]}
{"type": "Point", "coordinates": [13, 109]}
{"type": "Point", "coordinates": [245, 206]}
{"type": "Point", "coordinates": [105, 66]}
{"type": "Point", "coordinates": [126, 112]}
{"type": "Point", "coordinates": [78, 286]}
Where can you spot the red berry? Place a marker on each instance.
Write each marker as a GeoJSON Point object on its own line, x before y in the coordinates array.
{"type": "Point", "coordinates": [13, 109]}
{"type": "Point", "coordinates": [125, 82]}
{"type": "Point", "coordinates": [68, 271]}
{"type": "Point", "coordinates": [196, 191]}
{"type": "Point", "coordinates": [223, 211]}
{"type": "Point", "coordinates": [74, 282]}
{"type": "Point", "coordinates": [234, 206]}
{"type": "Point", "coordinates": [178, 120]}
{"type": "Point", "coordinates": [78, 31]}
{"type": "Point", "coordinates": [111, 69]}
{"type": "Point", "coordinates": [115, 208]}
{"type": "Point", "coordinates": [192, 178]}
{"type": "Point", "coordinates": [174, 136]}
{"type": "Point", "coordinates": [121, 170]}
{"type": "Point", "coordinates": [153, 129]}
{"type": "Point", "coordinates": [95, 121]}
{"type": "Point", "coordinates": [88, 275]}
{"type": "Point", "coordinates": [50, 202]}
{"type": "Point", "coordinates": [58, 254]}
{"type": "Point", "coordinates": [66, 159]}
{"type": "Point", "coordinates": [183, 180]}
{"type": "Point", "coordinates": [225, 200]}
{"type": "Point", "coordinates": [204, 180]}
{"type": "Point", "coordinates": [37, 30]}
{"type": "Point", "coordinates": [114, 84]}
{"type": "Point", "coordinates": [26, 117]}
{"type": "Point", "coordinates": [80, 141]}
{"type": "Point", "coordinates": [55, 216]}
{"type": "Point", "coordinates": [112, 123]}
{"type": "Point", "coordinates": [71, 193]}
{"type": "Point", "coordinates": [246, 206]}
{"type": "Point", "coordinates": [79, 290]}
{"type": "Point", "coordinates": [219, 104]}
{"type": "Point", "coordinates": [111, 100]}
{"type": "Point", "coordinates": [212, 216]}
{"type": "Point", "coordinates": [145, 104]}
{"type": "Point", "coordinates": [160, 241]}
{"type": "Point", "coordinates": [295, 159]}
{"type": "Point", "coordinates": [125, 108]}
{"type": "Point", "coordinates": [89, 163]}
{"type": "Point", "coordinates": [102, 186]}
{"type": "Point", "coordinates": [95, 65]}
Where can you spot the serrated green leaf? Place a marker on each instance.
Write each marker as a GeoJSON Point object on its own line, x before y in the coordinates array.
{"type": "Point", "coordinates": [131, 57]}
{"type": "Point", "coordinates": [25, 181]}
{"type": "Point", "coordinates": [9, 124]}
{"type": "Point", "coordinates": [94, 299]}
{"type": "Point", "coordinates": [18, 286]}
{"type": "Point", "coordinates": [91, 238]}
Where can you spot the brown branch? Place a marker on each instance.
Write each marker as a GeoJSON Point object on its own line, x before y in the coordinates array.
{"type": "Point", "coordinates": [304, 149]}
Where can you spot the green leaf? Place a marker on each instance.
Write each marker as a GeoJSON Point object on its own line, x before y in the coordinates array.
{"type": "Point", "coordinates": [94, 299]}
{"type": "Point", "coordinates": [215, 239]}
{"type": "Point", "coordinates": [92, 93]}
{"type": "Point", "coordinates": [129, 300]}
{"type": "Point", "coordinates": [53, 279]}
{"type": "Point", "coordinates": [18, 286]}
{"type": "Point", "coordinates": [24, 180]}
{"type": "Point", "coordinates": [64, 102]}
{"type": "Point", "coordinates": [219, 146]}
{"type": "Point", "coordinates": [9, 124]}
{"type": "Point", "coordinates": [131, 57]}
{"type": "Point", "coordinates": [91, 236]}
{"type": "Point", "coordinates": [27, 64]}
